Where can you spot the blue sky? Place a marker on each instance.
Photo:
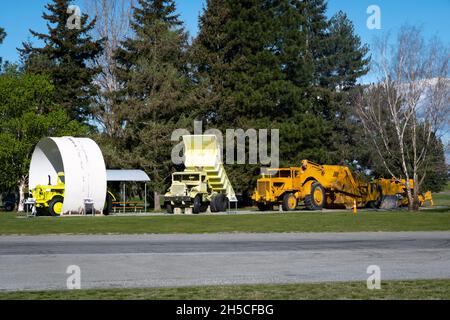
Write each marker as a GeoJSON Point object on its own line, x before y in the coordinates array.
{"type": "Point", "coordinates": [434, 16]}
{"type": "Point", "coordinates": [18, 16]}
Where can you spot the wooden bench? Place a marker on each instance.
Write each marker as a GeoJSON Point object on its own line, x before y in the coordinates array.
{"type": "Point", "coordinates": [128, 206]}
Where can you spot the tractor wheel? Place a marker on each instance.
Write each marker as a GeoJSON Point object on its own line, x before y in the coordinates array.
{"type": "Point", "coordinates": [169, 208]}
{"type": "Point", "coordinates": [262, 206]}
{"type": "Point", "coordinates": [197, 204]}
{"type": "Point", "coordinates": [108, 205]}
{"type": "Point", "coordinates": [315, 200]}
{"type": "Point", "coordinates": [289, 202]}
{"type": "Point", "coordinates": [219, 203]}
{"type": "Point", "coordinates": [55, 206]}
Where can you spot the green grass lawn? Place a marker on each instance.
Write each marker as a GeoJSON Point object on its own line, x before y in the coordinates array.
{"type": "Point", "coordinates": [414, 289]}
{"type": "Point", "coordinates": [305, 221]}
{"type": "Point", "coordinates": [427, 220]}
{"type": "Point", "coordinates": [442, 199]}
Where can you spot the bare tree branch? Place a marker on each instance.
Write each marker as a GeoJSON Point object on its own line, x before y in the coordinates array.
{"type": "Point", "coordinates": [112, 25]}
{"type": "Point", "coordinates": [408, 106]}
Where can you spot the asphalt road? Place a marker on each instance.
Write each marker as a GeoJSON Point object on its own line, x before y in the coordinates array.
{"type": "Point", "coordinates": [40, 262]}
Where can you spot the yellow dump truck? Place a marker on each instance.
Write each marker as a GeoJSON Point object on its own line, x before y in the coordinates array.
{"type": "Point", "coordinates": [204, 182]}
{"type": "Point", "coordinates": [320, 186]}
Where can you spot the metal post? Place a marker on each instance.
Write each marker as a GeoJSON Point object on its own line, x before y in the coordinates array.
{"type": "Point", "coordinates": [123, 200]}
{"type": "Point", "coordinates": [145, 197]}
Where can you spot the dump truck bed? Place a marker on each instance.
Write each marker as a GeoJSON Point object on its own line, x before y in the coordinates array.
{"type": "Point", "coordinates": [203, 153]}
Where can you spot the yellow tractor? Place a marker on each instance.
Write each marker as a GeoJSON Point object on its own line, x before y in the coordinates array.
{"type": "Point", "coordinates": [50, 198]}
{"type": "Point", "coordinates": [318, 186]}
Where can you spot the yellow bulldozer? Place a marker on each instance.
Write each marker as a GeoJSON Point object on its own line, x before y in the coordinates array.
{"type": "Point", "coordinates": [326, 186]}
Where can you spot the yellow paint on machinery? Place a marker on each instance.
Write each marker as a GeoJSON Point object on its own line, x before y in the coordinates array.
{"type": "Point", "coordinates": [320, 186]}
{"type": "Point", "coordinates": [397, 190]}
{"type": "Point", "coordinates": [204, 181]}
{"type": "Point", "coordinates": [50, 198]}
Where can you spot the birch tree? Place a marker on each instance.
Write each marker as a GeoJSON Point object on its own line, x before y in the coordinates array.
{"type": "Point", "coordinates": [408, 107]}
{"type": "Point", "coordinates": [112, 25]}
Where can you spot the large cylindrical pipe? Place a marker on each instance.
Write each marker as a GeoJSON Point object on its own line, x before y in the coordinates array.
{"type": "Point", "coordinates": [83, 165]}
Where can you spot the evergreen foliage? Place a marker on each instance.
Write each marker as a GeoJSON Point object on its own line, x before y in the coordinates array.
{"type": "Point", "coordinates": [66, 57]}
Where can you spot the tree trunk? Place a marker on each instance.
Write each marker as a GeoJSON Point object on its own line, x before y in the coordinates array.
{"type": "Point", "coordinates": [22, 185]}
{"type": "Point", "coordinates": [157, 202]}
{"type": "Point", "coordinates": [410, 195]}
{"type": "Point", "coordinates": [416, 203]}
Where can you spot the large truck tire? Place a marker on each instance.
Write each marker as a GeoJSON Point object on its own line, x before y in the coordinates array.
{"type": "Point", "coordinates": [316, 199]}
{"type": "Point", "coordinates": [197, 204]}
{"type": "Point", "coordinates": [219, 203]}
{"type": "Point", "coordinates": [289, 202]}
{"type": "Point", "coordinates": [204, 206]}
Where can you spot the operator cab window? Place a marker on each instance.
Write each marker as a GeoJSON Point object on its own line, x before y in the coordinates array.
{"type": "Point", "coordinates": [284, 173]}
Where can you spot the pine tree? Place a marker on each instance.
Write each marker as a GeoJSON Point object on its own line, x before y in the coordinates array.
{"type": "Point", "coordinates": [345, 57]}
{"type": "Point", "coordinates": [247, 51]}
{"type": "Point", "coordinates": [152, 70]}
{"type": "Point", "coordinates": [2, 37]}
{"type": "Point", "coordinates": [66, 57]}
{"type": "Point", "coordinates": [344, 60]}
{"type": "Point", "coordinates": [151, 64]}
{"type": "Point", "coordinates": [262, 63]}
{"type": "Point", "coordinates": [207, 54]}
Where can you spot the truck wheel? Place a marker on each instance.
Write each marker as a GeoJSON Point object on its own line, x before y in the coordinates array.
{"type": "Point", "coordinates": [289, 202]}
{"type": "Point", "coordinates": [169, 208]}
{"type": "Point", "coordinates": [212, 205]}
{"type": "Point", "coordinates": [108, 205]}
{"type": "Point", "coordinates": [224, 202]}
{"type": "Point", "coordinates": [219, 203]}
{"type": "Point", "coordinates": [204, 206]}
{"type": "Point", "coordinates": [197, 204]}
{"type": "Point", "coordinates": [315, 200]}
{"type": "Point", "coordinates": [55, 206]}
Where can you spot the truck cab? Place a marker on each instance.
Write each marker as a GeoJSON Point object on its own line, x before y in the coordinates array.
{"type": "Point", "coordinates": [188, 189]}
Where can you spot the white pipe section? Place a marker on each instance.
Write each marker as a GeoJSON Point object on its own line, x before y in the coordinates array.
{"type": "Point", "coordinates": [82, 162]}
